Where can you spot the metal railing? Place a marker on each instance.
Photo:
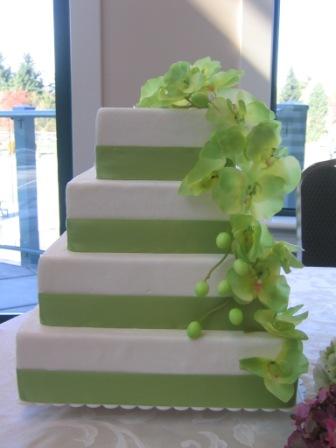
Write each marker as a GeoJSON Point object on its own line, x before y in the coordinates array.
{"type": "Point", "coordinates": [25, 148]}
{"type": "Point", "coordinates": [292, 116]}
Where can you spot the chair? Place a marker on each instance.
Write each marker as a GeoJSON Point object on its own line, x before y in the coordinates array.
{"type": "Point", "coordinates": [318, 214]}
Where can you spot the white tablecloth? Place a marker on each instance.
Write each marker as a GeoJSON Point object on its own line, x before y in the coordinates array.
{"type": "Point", "coordinates": [36, 426]}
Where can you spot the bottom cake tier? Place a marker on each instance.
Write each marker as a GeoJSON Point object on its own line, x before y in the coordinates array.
{"type": "Point", "coordinates": [141, 367]}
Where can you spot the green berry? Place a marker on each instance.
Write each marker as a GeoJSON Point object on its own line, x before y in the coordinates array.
{"type": "Point", "coordinates": [223, 241]}
{"type": "Point", "coordinates": [201, 288]}
{"type": "Point", "coordinates": [200, 100]}
{"type": "Point", "coordinates": [236, 316]}
{"type": "Point", "coordinates": [241, 267]}
{"type": "Point", "coordinates": [194, 330]}
{"type": "Point", "coordinates": [224, 288]}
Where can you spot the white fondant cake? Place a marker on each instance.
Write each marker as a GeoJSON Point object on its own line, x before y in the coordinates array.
{"type": "Point", "coordinates": [128, 263]}
{"type": "Point", "coordinates": [90, 198]}
{"type": "Point", "coordinates": [137, 351]}
{"type": "Point", "coordinates": [117, 126]}
{"type": "Point", "coordinates": [62, 271]}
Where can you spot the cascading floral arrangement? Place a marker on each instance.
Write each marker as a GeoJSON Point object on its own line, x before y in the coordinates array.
{"type": "Point", "coordinates": [248, 174]}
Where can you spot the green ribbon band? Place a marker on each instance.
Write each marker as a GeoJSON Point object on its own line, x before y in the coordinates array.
{"type": "Point", "coordinates": [144, 236]}
{"type": "Point", "coordinates": [83, 310]}
{"type": "Point", "coordinates": [232, 391]}
{"type": "Point", "coordinates": [144, 163]}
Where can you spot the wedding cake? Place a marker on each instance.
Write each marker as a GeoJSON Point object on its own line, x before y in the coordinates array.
{"type": "Point", "coordinates": [118, 322]}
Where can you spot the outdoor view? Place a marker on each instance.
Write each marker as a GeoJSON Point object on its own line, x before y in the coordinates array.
{"type": "Point", "coordinates": [29, 220]}
{"type": "Point", "coordinates": [307, 77]}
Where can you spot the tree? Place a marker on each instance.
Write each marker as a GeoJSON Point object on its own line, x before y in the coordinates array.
{"type": "Point", "coordinates": [292, 89]}
{"type": "Point", "coordinates": [26, 87]}
{"type": "Point", "coordinates": [27, 78]}
{"type": "Point", "coordinates": [317, 113]}
{"type": "Point", "coordinates": [45, 101]}
{"type": "Point", "coordinates": [5, 74]}
{"type": "Point", "coordinates": [9, 99]}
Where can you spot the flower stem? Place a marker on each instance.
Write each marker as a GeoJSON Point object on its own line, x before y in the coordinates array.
{"type": "Point", "coordinates": [214, 310]}
{"type": "Point", "coordinates": [215, 267]}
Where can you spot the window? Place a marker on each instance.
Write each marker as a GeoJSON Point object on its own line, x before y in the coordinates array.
{"type": "Point", "coordinates": [305, 80]}
{"type": "Point", "coordinates": [34, 164]}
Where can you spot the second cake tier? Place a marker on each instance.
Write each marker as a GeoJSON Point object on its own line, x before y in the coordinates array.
{"type": "Point", "coordinates": [139, 217]}
{"type": "Point", "coordinates": [133, 290]}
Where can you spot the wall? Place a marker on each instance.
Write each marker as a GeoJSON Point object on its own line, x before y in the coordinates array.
{"type": "Point", "coordinates": [140, 39]}
{"type": "Point", "coordinates": [85, 30]}
{"type": "Point", "coordinates": [118, 44]}
{"type": "Point", "coordinates": [256, 29]}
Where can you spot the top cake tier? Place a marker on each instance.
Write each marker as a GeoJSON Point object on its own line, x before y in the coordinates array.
{"type": "Point", "coordinates": [148, 144]}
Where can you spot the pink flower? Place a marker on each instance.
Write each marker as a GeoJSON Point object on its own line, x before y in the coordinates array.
{"type": "Point", "coordinates": [296, 440]}
{"type": "Point", "coordinates": [301, 412]}
{"type": "Point", "coordinates": [322, 395]}
{"type": "Point", "coordinates": [331, 431]}
{"type": "Point", "coordinates": [315, 422]}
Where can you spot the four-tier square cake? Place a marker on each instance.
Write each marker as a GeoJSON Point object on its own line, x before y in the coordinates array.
{"type": "Point", "coordinates": [116, 291]}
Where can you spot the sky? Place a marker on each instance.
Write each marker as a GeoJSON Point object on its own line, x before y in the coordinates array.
{"type": "Point", "coordinates": [26, 26]}
{"type": "Point", "coordinates": [307, 38]}
{"type": "Point", "coordinates": [307, 41]}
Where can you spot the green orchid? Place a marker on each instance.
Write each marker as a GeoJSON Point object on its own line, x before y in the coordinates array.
{"type": "Point", "coordinates": [248, 174]}
{"type": "Point", "coordinates": [251, 239]}
{"type": "Point", "coordinates": [282, 324]}
{"type": "Point", "coordinates": [223, 113]}
{"type": "Point", "coordinates": [217, 153]}
{"type": "Point", "coordinates": [283, 252]}
{"type": "Point", "coordinates": [236, 107]}
{"type": "Point", "coordinates": [202, 177]}
{"type": "Point", "coordinates": [244, 188]}
{"type": "Point", "coordinates": [279, 374]}
{"type": "Point", "coordinates": [188, 85]}
{"type": "Point", "coordinates": [270, 289]}
{"type": "Point", "coordinates": [256, 192]}
{"type": "Point", "coordinates": [262, 141]}
{"type": "Point", "coordinates": [253, 243]}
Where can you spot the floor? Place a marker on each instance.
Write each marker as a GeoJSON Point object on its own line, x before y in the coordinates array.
{"type": "Point", "coordinates": [18, 288]}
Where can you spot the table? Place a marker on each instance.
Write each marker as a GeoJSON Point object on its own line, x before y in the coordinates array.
{"type": "Point", "coordinates": [39, 426]}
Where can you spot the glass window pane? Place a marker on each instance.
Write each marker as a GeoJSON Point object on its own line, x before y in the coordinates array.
{"type": "Point", "coordinates": [29, 213]}
{"type": "Point", "coordinates": [306, 76]}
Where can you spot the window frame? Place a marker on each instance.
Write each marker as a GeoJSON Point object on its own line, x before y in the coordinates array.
{"type": "Point", "coordinates": [63, 102]}
{"type": "Point", "coordinates": [274, 78]}
{"type": "Point", "coordinates": [63, 110]}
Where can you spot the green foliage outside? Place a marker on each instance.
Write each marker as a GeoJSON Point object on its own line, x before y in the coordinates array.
{"type": "Point", "coordinates": [292, 90]}
{"type": "Point", "coordinates": [317, 114]}
{"type": "Point", "coordinates": [248, 174]}
{"type": "Point", "coordinates": [27, 78]}
{"type": "Point", "coordinates": [5, 74]}
{"type": "Point", "coordinates": [25, 86]}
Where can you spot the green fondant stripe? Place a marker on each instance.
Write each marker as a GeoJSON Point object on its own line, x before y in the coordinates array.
{"type": "Point", "coordinates": [83, 310]}
{"type": "Point", "coordinates": [143, 236]}
{"type": "Point", "coordinates": [233, 391]}
{"type": "Point", "coordinates": [144, 163]}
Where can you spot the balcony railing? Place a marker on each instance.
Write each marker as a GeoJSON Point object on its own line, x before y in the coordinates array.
{"type": "Point", "coordinates": [25, 148]}
{"type": "Point", "coordinates": [292, 116]}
